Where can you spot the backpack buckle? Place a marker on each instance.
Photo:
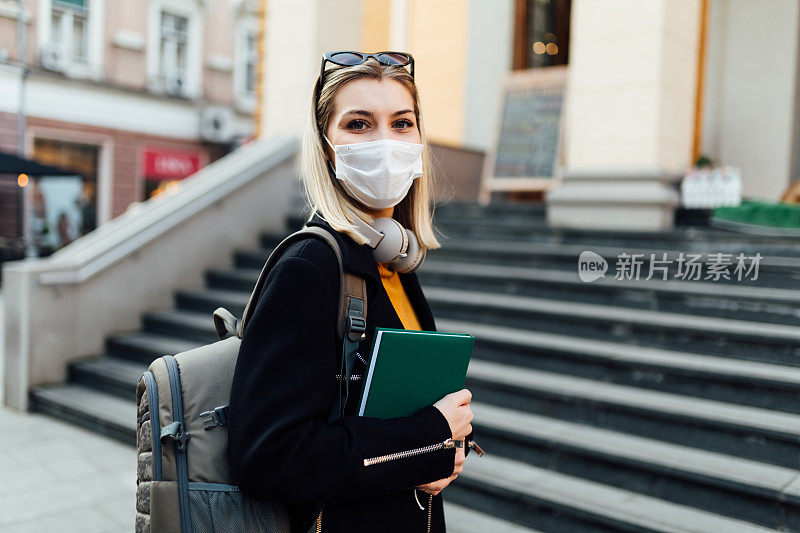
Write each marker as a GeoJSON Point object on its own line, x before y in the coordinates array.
{"type": "Point", "coordinates": [175, 432]}
{"type": "Point", "coordinates": [216, 417]}
{"type": "Point", "coordinates": [356, 324]}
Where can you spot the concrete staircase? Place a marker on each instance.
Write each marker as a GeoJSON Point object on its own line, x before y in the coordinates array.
{"type": "Point", "coordinates": [616, 405]}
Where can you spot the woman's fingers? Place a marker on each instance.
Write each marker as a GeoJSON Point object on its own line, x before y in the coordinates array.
{"type": "Point", "coordinates": [456, 409]}
{"type": "Point", "coordinates": [460, 460]}
{"type": "Point", "coordinates": [464, 396]}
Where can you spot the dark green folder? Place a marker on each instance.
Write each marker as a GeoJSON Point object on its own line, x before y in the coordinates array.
{"type": "Point", "coordinates": [409, 369]}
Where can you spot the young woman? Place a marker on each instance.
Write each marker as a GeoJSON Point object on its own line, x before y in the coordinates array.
{"type": "Point", "coordinates": [280, 444]}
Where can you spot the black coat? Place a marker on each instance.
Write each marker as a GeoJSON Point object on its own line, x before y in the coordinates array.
{"type": "Point", "coordinates": [280, 446]}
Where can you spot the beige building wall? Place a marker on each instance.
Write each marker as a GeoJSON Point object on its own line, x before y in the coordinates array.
{"type": "Point", "coordinates": [436, 33]}
{"type": "Point", "coordinates": [438, 40]}
{"type": "Point", "coordinates": [219, 39]}
{"type": "Point", "coordinates": [125, 41]}
{"type": "Point", "coordinates": [750, 91]}
{"type": "Point", "coordinates": [126, 25]}
{"type": "Point", "coordinates": [377, 26]}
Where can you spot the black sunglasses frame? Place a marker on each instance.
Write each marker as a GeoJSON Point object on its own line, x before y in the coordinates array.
{"type": "Point", "coordinates": [329, 56]}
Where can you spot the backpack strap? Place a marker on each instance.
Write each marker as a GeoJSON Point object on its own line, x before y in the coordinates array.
{"type": "Point", "coordinates": [177, 432]}
{"type": "Point", "coordinates": [351, 318]}
{"type": "Point", "coordinates": [275, 256]}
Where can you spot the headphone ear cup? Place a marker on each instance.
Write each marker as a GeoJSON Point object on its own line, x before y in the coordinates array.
{"type": "Point", "coordinates": [394, 242]}
{"type": "Point", "coordinates": [414, 258]}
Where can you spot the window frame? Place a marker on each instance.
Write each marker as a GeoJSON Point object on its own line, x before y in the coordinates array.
{"type": "Point", "coordinates": [92, 66]}
{"type": "Point", "coordinates": [192, 86]}
{"type": "Point", "coordinates": [245, 100]}
{"type": "Point", "coordinates": [520, 46]}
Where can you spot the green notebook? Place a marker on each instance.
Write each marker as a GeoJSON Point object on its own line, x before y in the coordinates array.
{"type": "Point", "coordinates": [409, 369]}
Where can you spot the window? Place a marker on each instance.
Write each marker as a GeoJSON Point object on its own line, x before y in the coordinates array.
{"type": "Point", "coordinates": [70, 37]}
{"type": "Point", "coordinates": [250, 63]}
{"type": "Point", "coordinates": [541, 33]}
{"type": "Point", "coordinates": [174, 47]}
{"type": "Point", "coordinates": [245, 70]}
{"type": "Point", "coordinates": [68, 30]}
{"type": "Point", "coordinates": [172, 52]}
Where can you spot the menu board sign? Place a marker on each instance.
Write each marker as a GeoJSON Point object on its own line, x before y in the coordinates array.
{"type": "Point", "coordinates": [526, 153]}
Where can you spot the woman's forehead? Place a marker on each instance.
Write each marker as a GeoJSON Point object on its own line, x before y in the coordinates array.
{"type": "Point", "coordinates": [380, 97]}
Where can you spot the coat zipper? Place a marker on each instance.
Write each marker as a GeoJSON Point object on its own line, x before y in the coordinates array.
{"type": "Point", "coordinates": [447, 443]}
{"type": "Point", "coordinates": [430, 505]}
{"type": "Point", "coordinates": [319, 522]}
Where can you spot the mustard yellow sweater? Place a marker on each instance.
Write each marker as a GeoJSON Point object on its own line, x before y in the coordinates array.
{"type": "Point", "coordinates": [400, 302]}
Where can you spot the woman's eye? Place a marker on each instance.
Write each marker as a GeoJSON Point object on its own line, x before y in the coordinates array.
{"type": "Point", "coordinates": [404, 123]}
{"type": "Point", "coordinates": [356, 122]}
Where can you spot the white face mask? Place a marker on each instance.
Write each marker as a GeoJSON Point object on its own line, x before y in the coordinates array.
{"type": "Point", "coordinates": [378, 173]}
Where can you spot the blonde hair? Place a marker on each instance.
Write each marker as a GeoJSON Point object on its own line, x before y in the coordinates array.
{"type": "Point", "coordinates": [322, 191]}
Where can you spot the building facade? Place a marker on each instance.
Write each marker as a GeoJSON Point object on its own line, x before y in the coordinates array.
{"type": "Point", "coordinates": [132, 95]}
{"type": "Point", "coordinates": [651, 86]}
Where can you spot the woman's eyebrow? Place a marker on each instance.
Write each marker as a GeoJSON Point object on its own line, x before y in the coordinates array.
{"type": "Point", "coordinates": [369, 113]}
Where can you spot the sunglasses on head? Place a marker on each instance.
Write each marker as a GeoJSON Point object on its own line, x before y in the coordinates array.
{"type": "Point", "coordinates": [348, 58]}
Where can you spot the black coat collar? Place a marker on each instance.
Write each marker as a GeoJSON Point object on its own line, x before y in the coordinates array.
{"type": "Point", "coordinates": [358, 259]}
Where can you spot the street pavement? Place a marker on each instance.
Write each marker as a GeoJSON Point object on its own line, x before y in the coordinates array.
{"type": "Point", "coordinates": [55, 476]}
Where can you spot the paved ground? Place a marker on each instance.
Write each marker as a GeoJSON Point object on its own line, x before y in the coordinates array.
{"type": "Point", "coordinates": [59, 477]}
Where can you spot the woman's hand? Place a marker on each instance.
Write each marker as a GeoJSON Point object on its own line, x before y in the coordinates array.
{"type": "Point", "coordinates": [455, 408]}
{"type": "Point", "coordinates": [435, 487]}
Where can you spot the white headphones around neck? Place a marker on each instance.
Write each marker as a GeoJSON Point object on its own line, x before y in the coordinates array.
{"type": "Point", "coordinates": [391, 243]}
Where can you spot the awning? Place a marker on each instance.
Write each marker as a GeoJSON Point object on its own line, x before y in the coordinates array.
{"type": "Point", "coordinates": [13, 164]}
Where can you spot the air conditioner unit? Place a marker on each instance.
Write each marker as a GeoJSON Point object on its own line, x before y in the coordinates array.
{"type": "Point", "coordinates": [174, 82]}
{"type": "Point", "coordinates": [217, 124]}
{"type": "Point", "coordinates": [51, 57]}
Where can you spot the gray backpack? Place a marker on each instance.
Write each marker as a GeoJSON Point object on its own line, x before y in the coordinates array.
{"type": "Point", "coordinates": [183, 481]}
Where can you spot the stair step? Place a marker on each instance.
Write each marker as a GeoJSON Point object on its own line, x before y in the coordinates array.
{"type": "Point", "coordinates": [770, 343]}
{"type": "Point", "coordinates": [207, 300]}
{"type": "Point", "coordinates": [556, 502]}
{"type": "Point", "coordinates": [462, 519]}
{"type": "Point", "coordinates": [108, 374]}
{"type": "Point", "coordinates": [690, 297]}
{"type": "Point", "coordinates": [739, 381]}
{"type": "Point", "coordinates": [235, 279]}
{"type": "Point", "coordinates": [691, 239]}
{"type": "Point", "coordinates": [749, 490]}
{"type": "Point", "coordinates": [145, 347]}
{"type": "Point", "coordinates": [743, 431]}
{"type": "Point", "coordinates": [89, 408]}
{"type": "Point", "coordinates": [693, 297]}
{"type": "Point", "coordinates": [494, 208]}
{"type": "Point", "coordinates": [180, 323]}
{"type": "Point", "coordinates": [773, 271]}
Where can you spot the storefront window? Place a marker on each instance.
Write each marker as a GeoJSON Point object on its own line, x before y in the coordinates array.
{"type": "Point", "coordinates": [83, 159]}
{"type": "Point", "coordinates": [164, 168]}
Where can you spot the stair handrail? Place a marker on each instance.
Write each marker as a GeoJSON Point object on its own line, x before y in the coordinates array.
{"type": "Point", "coordinates": [146, 221]}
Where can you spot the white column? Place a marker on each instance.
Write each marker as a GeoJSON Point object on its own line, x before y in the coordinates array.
{"type": "Point", "coordinates": [629, 114]}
